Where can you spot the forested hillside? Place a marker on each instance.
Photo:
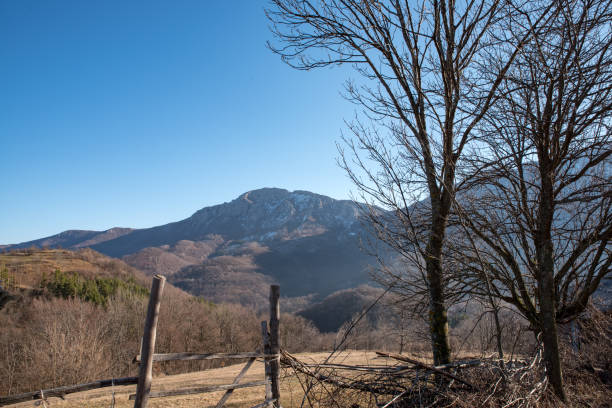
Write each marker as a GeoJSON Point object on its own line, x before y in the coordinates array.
{"type": "Point", "coordinates": [69, 317]}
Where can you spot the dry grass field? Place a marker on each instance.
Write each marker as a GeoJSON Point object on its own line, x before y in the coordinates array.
{"type": "Point", "coordinates": [291, 394]}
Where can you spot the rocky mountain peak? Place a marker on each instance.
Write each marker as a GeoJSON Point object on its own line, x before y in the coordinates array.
{"type": "Point", "coordinates": [261, 215]}
{"type": "Point", "coordinates": [274, 213]}
{"type": "Point", "coordinates": [264, 195]}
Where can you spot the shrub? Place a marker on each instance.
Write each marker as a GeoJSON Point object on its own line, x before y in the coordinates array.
{"type": "Point", "coordinates": [97, 291]}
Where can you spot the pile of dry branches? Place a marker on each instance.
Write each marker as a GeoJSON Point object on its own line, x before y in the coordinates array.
{"type": "Point", "coordinates": [401, 381]}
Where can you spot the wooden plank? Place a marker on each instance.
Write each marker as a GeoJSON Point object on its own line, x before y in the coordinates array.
{"type": "Point", "coordinates": [202, 390]}
{"type": "Point", "coordinates": [265, 338]}
{"type": "Point", "coordinates": [69, 389]}
{"type": "Point", "coordinates": [207, 356]}
{"type": "Point", "coordinates": [241, 374]}
{"type": "Point", "coordinates": [145, 371]}
{"type": "Point", "coordinates": [275, 343]}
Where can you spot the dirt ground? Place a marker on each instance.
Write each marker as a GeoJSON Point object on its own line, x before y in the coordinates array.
{"type": "Point", "coordinates": [291, 393]}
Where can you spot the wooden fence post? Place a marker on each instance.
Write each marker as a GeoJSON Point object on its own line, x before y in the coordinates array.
{"type": "Point", "coordinates": [145, 375]}
{"type": "Point", "coordinates": [265, 337]}
{"type": "Point", "coordinates": [275, 343]}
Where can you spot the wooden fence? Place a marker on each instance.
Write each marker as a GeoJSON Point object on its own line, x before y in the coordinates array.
{"type": "Point", "coordinates": [270, 354]}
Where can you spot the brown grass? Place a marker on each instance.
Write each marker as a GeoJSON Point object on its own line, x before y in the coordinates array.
{"type": "Point", "coordinates": [290, 390]}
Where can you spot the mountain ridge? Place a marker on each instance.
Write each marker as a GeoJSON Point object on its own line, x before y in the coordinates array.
{"type": "Point", "coordinates": [307, 242]}
{"type": "Point", "coordinates": [201, 217]}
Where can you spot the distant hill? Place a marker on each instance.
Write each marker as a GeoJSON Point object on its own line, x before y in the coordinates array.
{"type": "Point", "coordinates": [306, 242]}
{"type": "Point", "coordinates": [26, 268]}
{"type": "Point", "coordinates": [332, 312]}
{"type": "Point", "coordinates": [73, 239]}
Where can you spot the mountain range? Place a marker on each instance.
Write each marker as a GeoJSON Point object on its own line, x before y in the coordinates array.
{"type": "Point", "coordinates": [306, 242]}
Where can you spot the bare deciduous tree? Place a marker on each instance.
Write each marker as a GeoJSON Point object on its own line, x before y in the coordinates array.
{"type": "Point", "coordinates": [540, 211]}
{"type": "Point", "coordinates": [417, 62]}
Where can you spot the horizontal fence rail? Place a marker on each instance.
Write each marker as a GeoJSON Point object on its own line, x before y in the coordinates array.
{"type": "Point", "coordinates": [202, 390]}
{"type": "Point", "coordinates": [208, 356]}
{"type": "Point", "coordinates": [69, 389]}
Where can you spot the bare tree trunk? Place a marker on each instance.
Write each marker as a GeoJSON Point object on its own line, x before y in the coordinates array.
{"type": "Point", "coordinates": [438, 320]}
{"type": "Point", "coordinates": [546, 283]}
{"type": "Point", "coordinates": [548, 324]}
{"type": "Point", "coordinates": [498, 328]}
{"type": "Point", "coordinates": [498, 334]}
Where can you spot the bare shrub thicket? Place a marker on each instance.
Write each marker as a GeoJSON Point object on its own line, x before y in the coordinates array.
{"type": "Point", "coordinates": [586, 350]}
{"type": "Point", "coordinates": [298, 334]}
{"type": "Point", "coordinates": [66, 343]}
{"type": "Point", "coordinates": [57, 342]}
{"type": "Point", "coordinates": [473, 333]}
{"type": "Point", "coordinates": [48, 342]}
{"type": "Point", "coordinates": [401, 381]}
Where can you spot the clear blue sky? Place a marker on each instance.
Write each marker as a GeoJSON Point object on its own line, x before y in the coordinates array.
{"type": "Point", "coordinates": [138, 113]}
